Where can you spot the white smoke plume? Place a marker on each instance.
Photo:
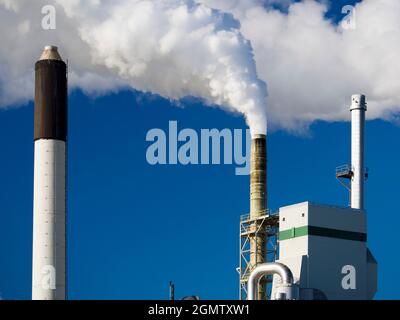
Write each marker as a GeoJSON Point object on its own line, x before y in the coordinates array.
{"type": "Point", "coordinates": [173, 48]}
{"type": "Point", "coordinates": [177, 48]}
{"type": "Point", "coordinates": [312, 66]}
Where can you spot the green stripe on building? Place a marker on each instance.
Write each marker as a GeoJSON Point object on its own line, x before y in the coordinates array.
{"type": "Point", "coordinates": [322, 232]}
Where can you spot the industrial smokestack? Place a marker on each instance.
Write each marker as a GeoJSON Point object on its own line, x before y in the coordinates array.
{"type": "Point", "coordinates": [358, 109]}
{"type": "Point", "coordinates": [49, 213]}
{"type": "Point", "coordinates": [258, 204]}
{"type": "Point", "coordinates": [258, 175]}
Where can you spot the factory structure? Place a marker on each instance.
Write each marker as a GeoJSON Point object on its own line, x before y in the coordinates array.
{"type": "Point", "coordinates": [303, 251]}
{"type": "Point", "coordinates": [308, 251]}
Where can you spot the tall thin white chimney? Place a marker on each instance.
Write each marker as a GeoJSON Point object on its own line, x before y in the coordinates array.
{"type": "Point", "coordinates": [358, 109]}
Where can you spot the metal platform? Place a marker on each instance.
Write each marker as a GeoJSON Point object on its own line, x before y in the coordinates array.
{"type": "Point", "coordinates": [265, 224]}
{"type": "Point", "coordinates": [344, 172]}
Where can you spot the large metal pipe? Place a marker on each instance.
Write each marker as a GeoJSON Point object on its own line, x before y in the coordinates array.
{"type": "Point", "coordinates": [358, 109]}
{"type": "Point", "coordinates": [270, 269]}
{"type": "Point", "coordinates": [258, 203]}
{"type": "Point", "coordinates": [49, 213]}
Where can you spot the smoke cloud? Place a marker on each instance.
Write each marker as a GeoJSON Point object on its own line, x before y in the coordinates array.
{"type": "Point", "coordinates": [173, 48]}
{"type": "Point", "coordinates": [312, 66]}
{"type": "Point", "coordinates": [210, 49]}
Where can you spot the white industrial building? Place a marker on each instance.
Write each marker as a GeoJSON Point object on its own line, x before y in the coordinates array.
{"type": "Point", "coordinates": [325, 248]}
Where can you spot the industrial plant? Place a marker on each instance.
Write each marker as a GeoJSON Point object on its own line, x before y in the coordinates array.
{"type": "Point", "coordinates": [309, 251]}
{"type": "Point", "coordinates": [303, 251]}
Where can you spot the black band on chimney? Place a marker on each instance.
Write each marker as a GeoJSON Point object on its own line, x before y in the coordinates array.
{"type": "Point", "coordinates": [51, 116]}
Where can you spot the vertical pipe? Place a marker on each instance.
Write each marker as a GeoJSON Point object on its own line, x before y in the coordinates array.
{"type": "Point", "coordinates": [171, 291]}
{"type": "Point", "coordinates": [358, 109]}
{"type": "Point", "coordinates": [258, 204]}
{"type": "Point", "coordinates": [49, 209]}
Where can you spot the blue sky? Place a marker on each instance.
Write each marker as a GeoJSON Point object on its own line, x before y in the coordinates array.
{"type": "Point", "coordinates": [133, 227]}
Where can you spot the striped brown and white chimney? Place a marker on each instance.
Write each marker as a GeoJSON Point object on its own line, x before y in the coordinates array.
{"type": "Point", "coordinates": [49, 212]}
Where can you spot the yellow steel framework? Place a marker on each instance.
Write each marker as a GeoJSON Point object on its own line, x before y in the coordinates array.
{"type": "Point", "coordinates": [252, 229]}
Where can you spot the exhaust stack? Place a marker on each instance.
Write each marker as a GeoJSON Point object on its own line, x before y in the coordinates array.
{"type": "Point", "coordinates": [258, 175]}
{"type": "Point", "coordinates": [49, 213]}
{"type": "Point", "coordinates": [358, 109]}
{"type": "Point", "coordinates": [258, 204]}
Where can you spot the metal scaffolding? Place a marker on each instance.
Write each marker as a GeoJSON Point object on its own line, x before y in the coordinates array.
{"type": "Point", "coordinates": [250, 230]}
{"type": "Point", "coordinates": [344, 174]}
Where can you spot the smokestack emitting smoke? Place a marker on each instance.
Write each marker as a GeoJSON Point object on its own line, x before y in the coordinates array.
{"type": "Point", "coordinates": [358, 109]}
{"type": "Point", "coordinates": [258, 175]}
{"type": "Point", "coordinates": [258, 204]}
{"type": "Point", "coordinates": [49, 215]}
